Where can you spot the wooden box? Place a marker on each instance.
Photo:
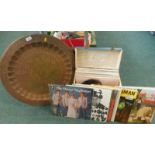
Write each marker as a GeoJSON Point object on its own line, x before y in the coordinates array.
{"type": "Point", "coordinates": [98, 66]}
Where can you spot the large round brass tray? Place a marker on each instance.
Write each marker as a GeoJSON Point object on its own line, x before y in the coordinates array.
{"type": "Point", "coordinates": [29, 64]}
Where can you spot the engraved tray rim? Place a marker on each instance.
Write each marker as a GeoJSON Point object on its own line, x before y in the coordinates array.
{"type": "Point", "coordinates": [11, 50]}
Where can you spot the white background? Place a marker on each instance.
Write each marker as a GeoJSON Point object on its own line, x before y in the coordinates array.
{"type": "Point", "coordinates": [77, 15]}
{"type": "Point", "coordinates": [70, 15]}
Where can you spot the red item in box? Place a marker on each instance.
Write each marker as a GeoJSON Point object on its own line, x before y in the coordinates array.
{"type": "Point", "coordinates": [74, 42]}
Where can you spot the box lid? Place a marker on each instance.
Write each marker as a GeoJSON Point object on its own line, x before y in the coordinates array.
{"type": "Point", "coordinates": [98, 58]}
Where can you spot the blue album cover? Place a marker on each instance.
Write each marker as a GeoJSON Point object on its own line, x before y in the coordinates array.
{"type": "Point", "coordinates": [71, 101]}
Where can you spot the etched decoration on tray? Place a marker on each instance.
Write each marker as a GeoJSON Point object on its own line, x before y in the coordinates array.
{"type": "Point", "coordinates": [29, 64]}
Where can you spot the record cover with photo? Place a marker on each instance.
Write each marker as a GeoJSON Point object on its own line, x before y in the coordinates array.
{"type": "Point", "coordinates": [71, 101]}
{"type": "Point", "coordinates": [126, 103]}
{"type": "Point", "coordinates": [144, 107]}
{"type": "Point", "coordinates": [100, 104]}
{"type": "Point", "coordinates": [103, 98]}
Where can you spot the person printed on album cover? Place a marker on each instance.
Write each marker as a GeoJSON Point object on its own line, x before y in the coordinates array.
{"type": "Point", "coordinates": [138, 102]}
{"type": "Point", "coordinates": [72, 107]}
{"type": "Point", "coordinates": [57, 102]}
{"type": "Point", "coordinates": [82, 100]}
{"type": "Point", "coordinates": [65, 100]}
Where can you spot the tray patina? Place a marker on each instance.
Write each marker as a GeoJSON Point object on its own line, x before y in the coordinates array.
{"type": "Point", "coordinates": [29, 64]}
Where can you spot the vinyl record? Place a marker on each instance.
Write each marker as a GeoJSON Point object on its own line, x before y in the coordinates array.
{"type": "Point", "coordinates": [31, 63]}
